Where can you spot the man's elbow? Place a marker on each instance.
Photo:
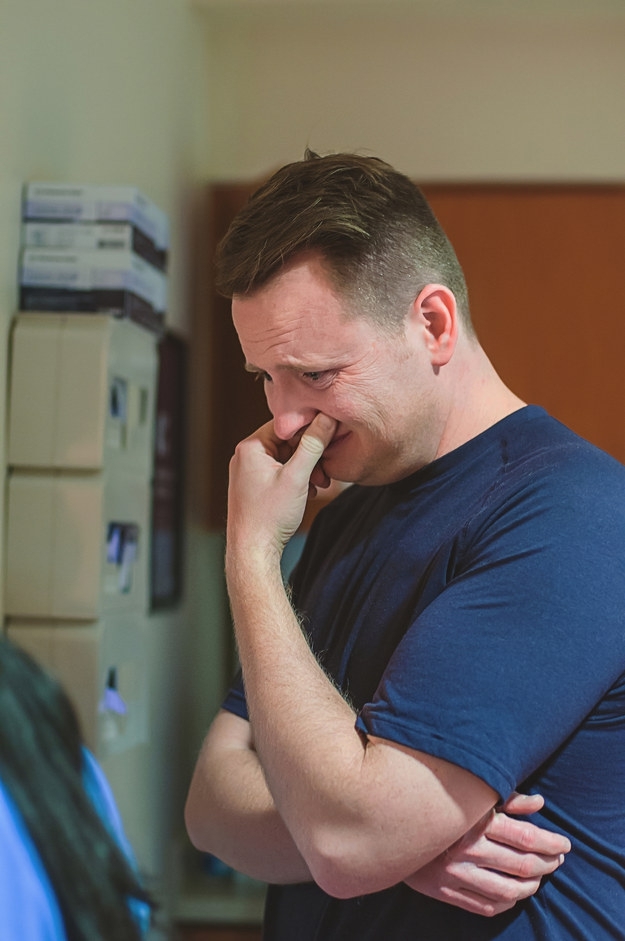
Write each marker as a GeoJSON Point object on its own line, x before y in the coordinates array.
{"type": "Point", "coordinates": [345, 869]}
{"type": "Point", "coordinates": [195, 823]}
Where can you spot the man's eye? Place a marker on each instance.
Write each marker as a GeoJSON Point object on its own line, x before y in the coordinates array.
{"type": "Point", "coordinates": [262, 377]}
{"type": "Point", "coordinates": [322, 378]}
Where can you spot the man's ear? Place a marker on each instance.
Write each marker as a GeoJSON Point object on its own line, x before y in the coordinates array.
{"type": "Point", "coordinates": [436, 315]}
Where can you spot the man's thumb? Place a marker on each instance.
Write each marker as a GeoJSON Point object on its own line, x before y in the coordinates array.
{"type": "Point", "coordinates": [318, 435]}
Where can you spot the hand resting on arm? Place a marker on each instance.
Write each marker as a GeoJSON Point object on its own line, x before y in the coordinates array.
{"type": "Point", "coordinates": [231, 814]}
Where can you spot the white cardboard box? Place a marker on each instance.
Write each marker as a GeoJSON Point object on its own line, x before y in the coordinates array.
{"type": "Point", "coordinates": [82, 393]}
{"type": "Point", "coordinates": [107, 281]}
{"type": "Point", "coordinates": [96, 203]}
{"type": "Point", "coordinates": [88, 660]}
{"type": "Point", "coordinates": [78, 545]}
{"type": "Point", "coordinates": [93, 236]}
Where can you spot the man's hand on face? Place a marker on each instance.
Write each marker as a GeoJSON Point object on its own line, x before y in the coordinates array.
{"type": "Point", "coordinates": [270, 481]}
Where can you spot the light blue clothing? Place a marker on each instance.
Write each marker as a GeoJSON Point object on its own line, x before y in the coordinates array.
{"type": "Point", "coordinates": [29, 910]}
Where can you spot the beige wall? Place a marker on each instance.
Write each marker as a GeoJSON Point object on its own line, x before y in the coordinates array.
{"type": "Point", "coordinates": [114, 91]}
{"type": "Point", "coordinates": [444, 89]}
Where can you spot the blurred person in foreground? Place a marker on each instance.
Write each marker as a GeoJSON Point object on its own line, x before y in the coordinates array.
{"type": "Point", "coordinates": [67, 872]}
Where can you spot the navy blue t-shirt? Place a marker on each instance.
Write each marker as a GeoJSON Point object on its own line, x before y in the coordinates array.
{"type": "Point", "coordinates": [475, 611]}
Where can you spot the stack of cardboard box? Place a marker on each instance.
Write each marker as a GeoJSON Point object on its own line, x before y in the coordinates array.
{"type": "Point", "coordinates": [94, 248]}
{"type": "Point", "coordinates": [83, 392]}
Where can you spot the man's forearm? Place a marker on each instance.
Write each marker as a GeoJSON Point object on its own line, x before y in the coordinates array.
{"type": "Point", "coordinates": [301, 722]}
{"type": "Point", "coordinates": [331, 787]}
{"type": "Point", "coordinates": [231, 814]}
{"type": "Point", "coordinates": [365, 814]}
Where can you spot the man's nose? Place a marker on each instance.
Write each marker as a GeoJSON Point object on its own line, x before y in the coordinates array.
{"type": "Point", "coordinates": [290, 416]}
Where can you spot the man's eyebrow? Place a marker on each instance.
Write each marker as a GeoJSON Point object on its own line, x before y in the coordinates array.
{"type": "Point", "coordinates": [285, 367]}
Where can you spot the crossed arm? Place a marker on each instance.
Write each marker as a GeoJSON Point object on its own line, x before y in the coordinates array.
{"type": "Point", "coordinates": [309, 797]}
{"type": "Point", "coordinates": [231, 814]}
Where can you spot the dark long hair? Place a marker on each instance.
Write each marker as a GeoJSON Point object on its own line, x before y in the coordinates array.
{"type": "Point", "coordinates": [41, 766]}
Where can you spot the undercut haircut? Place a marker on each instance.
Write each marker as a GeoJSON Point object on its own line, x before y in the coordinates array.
{"type": "Point", "coordinates": [373, 229]}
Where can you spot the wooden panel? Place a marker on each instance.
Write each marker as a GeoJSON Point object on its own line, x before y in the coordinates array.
{"type": "Point", "coordinates": [544, 265]}
{"type": "Point", "coordinates": [237, 400]}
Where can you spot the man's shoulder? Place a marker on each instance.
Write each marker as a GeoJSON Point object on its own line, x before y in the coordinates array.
{"type": "Point", "coordinates": [541, 447]}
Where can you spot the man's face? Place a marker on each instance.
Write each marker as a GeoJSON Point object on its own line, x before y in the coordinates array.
{"type": "Point", "coordinates": [378, 387]}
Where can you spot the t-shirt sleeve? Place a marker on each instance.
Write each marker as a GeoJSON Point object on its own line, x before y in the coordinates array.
{"type": "Point", "coordinates": [235, 698]}
{"type": "Point", "coordinates": [517, 648]}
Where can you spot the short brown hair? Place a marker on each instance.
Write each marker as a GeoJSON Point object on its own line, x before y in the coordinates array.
{"type": "Point", "coordinates": [372, 226]}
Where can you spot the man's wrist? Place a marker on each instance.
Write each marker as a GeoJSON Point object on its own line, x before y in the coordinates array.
{"type": "Point", "coordinates": [247, 563]}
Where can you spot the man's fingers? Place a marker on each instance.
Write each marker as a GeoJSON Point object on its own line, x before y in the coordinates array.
{"type": "Point", "coordinates": [511, 862]}
{"type": "Point", "coordinates": [524, 804]}
{"type": "Point", "coordinates": [474, 903]}
{"type": "Point", "coordinates": [318, 435]}
{"type": "Point", "coordinates": [484, 891]}
{"type": "Point", "coordinates": [491, 892]}
{"type": "Point", "coordinates": [312, 444]}
{"type": "Point", "coordinates": [525, 836]}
